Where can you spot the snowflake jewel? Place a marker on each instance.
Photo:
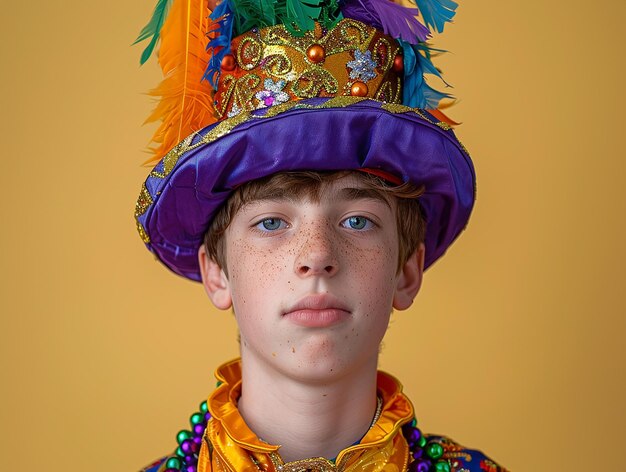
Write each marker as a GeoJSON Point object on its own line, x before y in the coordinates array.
{"type": "Point", "coordinates": [234, 111]}
{"type": "Point", "coordinates": [272, 95]}
{"type": "Point", "coordinates": [363, 66]}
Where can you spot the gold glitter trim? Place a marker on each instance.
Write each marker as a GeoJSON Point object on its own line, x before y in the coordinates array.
{"type": "Point", "coordinates": [249, 52]}
{"type": "Point", "coordinates": [317, 464]}
{"type": "Point", "coordinates": [463, 147]}
{"type": "Point", "coordinates": [142, 233]}
{"type": "Point", "coordinates": [396, 108]}
{"type": "Point", "coordinates": [340, 102]}
{"type": "Point", "coordinates": [143, 202]}
{"type": "Point", "coordinates": [224, 127]}
{"type": "Point", "coordinates": [171, 158]}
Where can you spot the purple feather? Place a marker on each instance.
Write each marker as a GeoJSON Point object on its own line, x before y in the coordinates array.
{"type": "Point", "coordinates": [395, 20]}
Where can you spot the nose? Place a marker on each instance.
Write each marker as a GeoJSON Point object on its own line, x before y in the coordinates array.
{"type": "Point", "coordinates": [316, 254]}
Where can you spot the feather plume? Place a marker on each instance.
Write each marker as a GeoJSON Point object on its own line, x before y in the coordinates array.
{"type": "Point", "coordinates": [186, 104]}
{"type": "Point", "coordinates": [153, 28]}
{"type": "Point", "coordinates": [221, 35]}
{"type": "Point", "coordinates": [395, 20]}
{"type": "Point", "coordinates": [300, 15]}
{"type": "Point", "coordinates": [255, 13]}
{"type": "Point", "coordinates": [436, 13]}
{"type": "Point", "coordinates": [416, 91]}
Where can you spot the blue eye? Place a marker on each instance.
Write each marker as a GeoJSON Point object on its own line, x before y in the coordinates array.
{"type": "Point", "coordinates": [270, 224]}
{"type": "Point", "coordinates": [357, 222]}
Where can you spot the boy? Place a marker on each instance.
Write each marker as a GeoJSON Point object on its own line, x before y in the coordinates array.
{"type": "Point", "coordinates": [311, 209]}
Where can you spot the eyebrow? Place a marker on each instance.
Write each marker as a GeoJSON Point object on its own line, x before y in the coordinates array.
{"type": "Point", "coordinates": [350, 193]}
{"type": "Point", "coordinates": [344, 194]}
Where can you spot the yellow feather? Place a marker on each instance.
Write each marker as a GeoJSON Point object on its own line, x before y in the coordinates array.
{"type": "Point", "coordinates": [186, 102]}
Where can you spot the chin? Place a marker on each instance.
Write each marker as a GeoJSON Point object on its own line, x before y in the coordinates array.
{"type": "Point", "coordinates": [319, 366]}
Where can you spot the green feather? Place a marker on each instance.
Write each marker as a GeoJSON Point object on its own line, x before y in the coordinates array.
{"type": "Point", "coordinates": [330, 15]}
{"type": "Point", "coordinates": [153, 28]}
{"type": "Point", "coordinates": [254, 14]}
{"type": "Point", "coordinates": [300, 15]}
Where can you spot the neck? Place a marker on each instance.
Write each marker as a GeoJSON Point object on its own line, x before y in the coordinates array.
{"type": "Point", "coordinates": [307, 418]}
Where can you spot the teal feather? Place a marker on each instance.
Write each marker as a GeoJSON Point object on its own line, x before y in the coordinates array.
{"type": "Point", "coordinates": [416, 92]}
{"type": "Point", "coordinates": [153, 28]}
{"type": "Point", "coordinates": [436, 13]}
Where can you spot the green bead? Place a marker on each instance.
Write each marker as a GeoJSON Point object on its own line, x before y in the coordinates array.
{"type": "Point", "coordinates": [414, 423]}
{"type": "Point", "coordinates": [182, 435]}
{"type": "Point", "coordinates": [204, 407]}
{"type": "Point", "coordinates": [422, 441]}
{"type": "Point", "coordinates": [174, 463]}
{"type": "Point", "coordinates": [196, 418]}
{"type": "Point", "coordinates": [218, 383]}
{"type": "Point", "coordinates": [434, 450]}
{"type": "Point", "coordinates": [180, 453]}
{"type": "Point", "coordinates": [442, 466]}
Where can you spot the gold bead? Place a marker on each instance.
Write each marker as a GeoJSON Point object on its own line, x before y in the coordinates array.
{"type": "Point", "coordinates": [316, 53]}
{"type": "Point", "coordinates": [359, 89]}
{"type": "Point", "coordinates": [229, 63]}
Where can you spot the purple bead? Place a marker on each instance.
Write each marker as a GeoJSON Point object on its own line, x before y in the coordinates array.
{"type": "Point", "coordinates": [191, 460]}
{"type": "Point", "coordinates": [418, 453]}
{"type": "Point", "coordinates": [197, 440]}
{"type": "Point", "coordinates": [414, 436]}
{"type": "Point", "coordinates": [207, 416]}
{"type": "Point", "coordinates": [186, 446]}
{"type": "Point", "coordinates": [195, 447]}
{"type": "Point", "coordinates": [190, 468]}
{"type": "Point", "coordinates": [171, 470]}
{"type": "Point", "coordinates": [423, 466]}
{"type": "Point", "coordinates": [198, 429]}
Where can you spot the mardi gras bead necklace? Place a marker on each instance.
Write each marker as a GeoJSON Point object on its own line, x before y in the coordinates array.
{"type": "Point", "coordinates": [427, 456]}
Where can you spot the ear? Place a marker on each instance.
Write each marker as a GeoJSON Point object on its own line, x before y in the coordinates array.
{"type": "Point", "coordinates": [410, 279]}
{"type": "Point", "coordinates": [214, 280]}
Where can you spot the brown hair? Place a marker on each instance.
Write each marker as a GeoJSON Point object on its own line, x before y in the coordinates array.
{"type": "Point", "coordinates": [409, 219]}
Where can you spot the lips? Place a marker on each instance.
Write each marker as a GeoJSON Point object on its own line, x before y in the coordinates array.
{"type": "Point", "coordinates": [317, 311]}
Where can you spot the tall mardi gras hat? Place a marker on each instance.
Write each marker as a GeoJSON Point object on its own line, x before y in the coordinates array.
{"type": "Point", "coordinates": [257, 87]}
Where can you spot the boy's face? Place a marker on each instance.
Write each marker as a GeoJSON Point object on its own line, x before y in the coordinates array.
{"type": "Point", "coordinates": [312, 284]}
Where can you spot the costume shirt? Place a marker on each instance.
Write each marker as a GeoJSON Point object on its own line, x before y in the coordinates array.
{"type": "Point", "coordinates": [230, 446]}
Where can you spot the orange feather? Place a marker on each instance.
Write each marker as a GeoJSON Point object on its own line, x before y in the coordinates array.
{"type": "Point", "coordinates": [185, 101]}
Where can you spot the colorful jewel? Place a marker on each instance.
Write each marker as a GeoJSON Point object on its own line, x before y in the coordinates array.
{"type": "Point", "coordinates": [359, 89]}
{"type": "Point", "coordinates": [316, 53]}
{"type": "Point", "coordinates": [363, 66]}
{"type": "Point", "coordinates": [228, 63]}
{"type": "Point", "coordinates": [273, 94]}
{"type": "Point", "coordinates": [234, 111]}
{"type": "Point", "coordinates": [398, 63]}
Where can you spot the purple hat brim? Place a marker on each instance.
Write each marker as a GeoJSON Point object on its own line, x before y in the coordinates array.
{"type": "Point", "coordinates": [186, 189]}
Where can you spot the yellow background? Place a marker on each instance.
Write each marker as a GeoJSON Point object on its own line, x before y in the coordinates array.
{"type": "Point", "coordinates": [515, 346]}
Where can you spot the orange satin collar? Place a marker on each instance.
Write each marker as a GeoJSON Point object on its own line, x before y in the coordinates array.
{"type": "Point", "coordinates": [230, 446]}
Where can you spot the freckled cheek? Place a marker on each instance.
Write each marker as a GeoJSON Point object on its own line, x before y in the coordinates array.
{"type": "Point", "coordinates": [374, 270]}
{"type": "Point", "coordinates": [253, 269]}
